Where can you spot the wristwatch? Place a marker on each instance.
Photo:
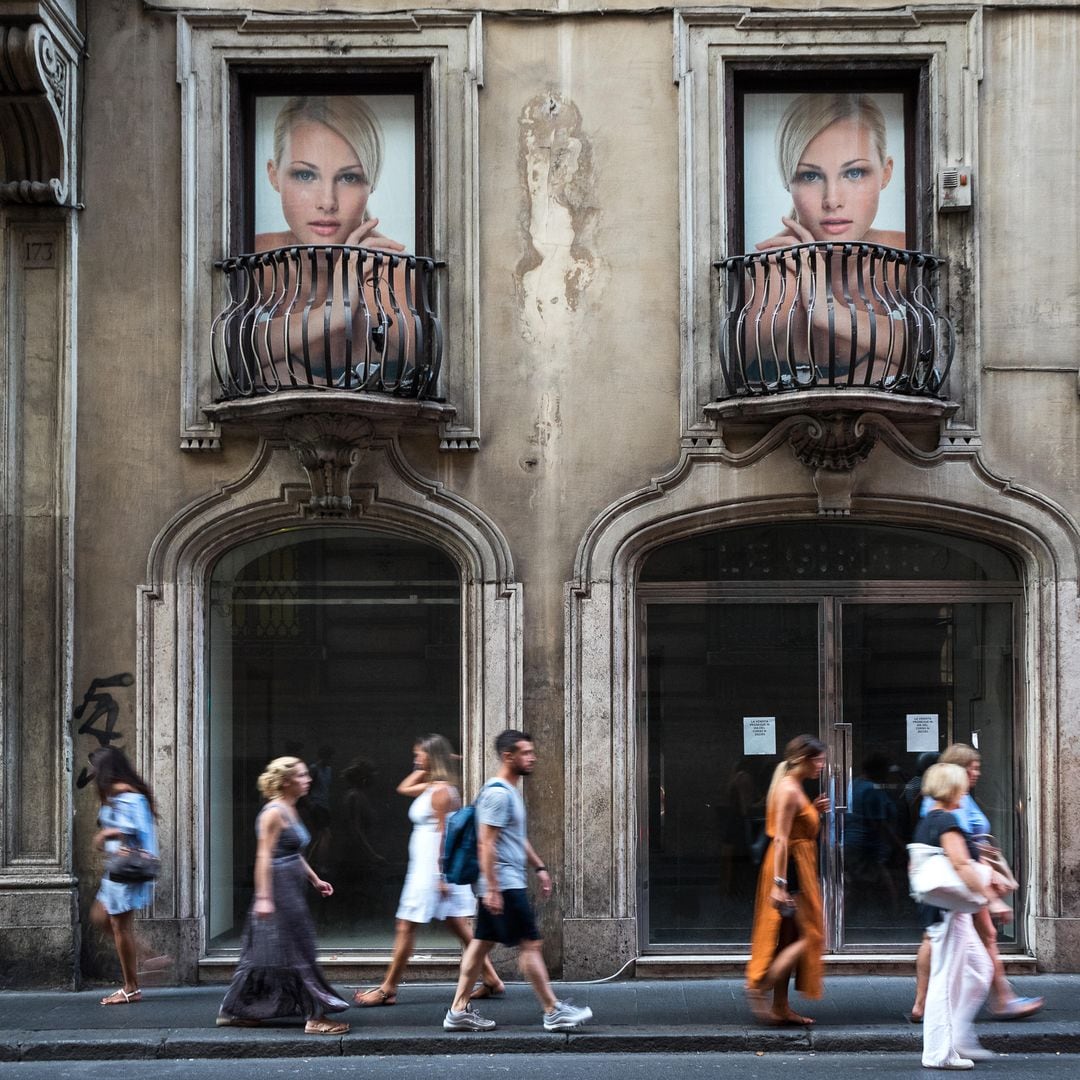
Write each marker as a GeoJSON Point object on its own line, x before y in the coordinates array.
{"type": "Point", "coordinates": [781, 881]}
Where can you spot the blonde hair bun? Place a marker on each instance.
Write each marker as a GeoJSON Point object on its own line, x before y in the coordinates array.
{"type": "Point", "coordinates": [273, 778]}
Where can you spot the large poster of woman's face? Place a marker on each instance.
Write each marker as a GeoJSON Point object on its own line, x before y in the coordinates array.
{"type": "Point", "coordinates": [335, 169]}
{"type": "Point", "coordinates": [823, 167]}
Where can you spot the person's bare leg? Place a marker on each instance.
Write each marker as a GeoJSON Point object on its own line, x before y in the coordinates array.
{"type": "Point", "coordinates": [790, 946]}
{"type": "Point", "coordinates": [404, 942]}
{"type": "Point", "coordinates": [459, 927]}
{"type": "Point", "coordinates": [472, 962]}
{"type": "Point", "coordinates": [99, 917]}
{"type": "Point", "coordinates": [1001, 992]}
{"type": "Point", "coordinates": [922, 978]}
{"type": "Point", "coordinates": [123, 928]}
{"type": "Point", "coordinates": [531, 963]}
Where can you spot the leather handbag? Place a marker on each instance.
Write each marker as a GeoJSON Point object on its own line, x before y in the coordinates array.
{"type": "Point", "coordinates": [132, 866]}
{"type": "Point", "coordinates": [934, 880]}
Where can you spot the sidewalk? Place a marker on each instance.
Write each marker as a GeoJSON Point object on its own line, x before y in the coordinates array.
{"type": "Point", "coordinates": [857, 1014]}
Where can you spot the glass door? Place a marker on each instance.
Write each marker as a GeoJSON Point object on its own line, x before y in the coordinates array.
{"type": "Point", "coordinates": [890, 643]}
{"type": "Point", "coordinates": [716, 672]}
{"type": "Point", "coordinates": [914, 678]}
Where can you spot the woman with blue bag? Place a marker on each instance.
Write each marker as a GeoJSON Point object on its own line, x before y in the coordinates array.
{"type": "Point", "coordinates": [128, 836]}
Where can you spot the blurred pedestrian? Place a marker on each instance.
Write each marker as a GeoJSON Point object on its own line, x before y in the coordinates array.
{"type": "Point", "coordinates": [126, 822]}
{"type": "Point", "coordinates": [1003, 1003]}
{"type": "Point", "coordinates": [277, 975]}
{"type": "Point", "coordinates": [960, 968]}
{"type": "Point", "coordinates": [505, 914]}
{"type": "Point", "coordinates": [426, 894]}
{"type": "Point", "coordinates": [789, 931]}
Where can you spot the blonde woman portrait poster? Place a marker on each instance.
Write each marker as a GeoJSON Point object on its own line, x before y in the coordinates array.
{"type": "Point", "coordinates": [335, 169]}
{"type": "Point", "coordinates": [823, 167]}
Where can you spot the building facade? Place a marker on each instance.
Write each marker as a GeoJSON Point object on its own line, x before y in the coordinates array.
{"type": "Point", "coordinates": [665, 382]}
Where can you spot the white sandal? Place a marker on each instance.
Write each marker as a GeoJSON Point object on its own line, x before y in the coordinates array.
{"type": "Point", "coordinates": [124, 997]}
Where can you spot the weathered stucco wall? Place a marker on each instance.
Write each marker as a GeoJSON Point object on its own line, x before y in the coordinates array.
{"type": "Point", "coordinates": [580, 307]}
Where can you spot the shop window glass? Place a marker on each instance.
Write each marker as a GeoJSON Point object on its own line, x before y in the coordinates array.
{"type": "Point", "coordinates": [338, 646]}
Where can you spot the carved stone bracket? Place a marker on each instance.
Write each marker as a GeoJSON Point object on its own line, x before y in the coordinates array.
{"type": "Point", "coordinates": [329, 447]}
{"type": "Point", "coordinates": [38, 66]}
{"type": "Point", "coordinates": [837, 442]}
{"type": "Point", "coordinates": [831, 432]}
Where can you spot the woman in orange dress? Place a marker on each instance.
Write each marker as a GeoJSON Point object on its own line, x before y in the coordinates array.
{"type": "Point", "coordinates": [789, 932]}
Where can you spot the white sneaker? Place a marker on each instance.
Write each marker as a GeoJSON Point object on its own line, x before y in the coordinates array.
{"type": "Point", "coordinates": [953, 1063]}
{"type": "Point", "coordinates": [466, 1020]}
{"type": "Point", "coordinates": [566, 1017]}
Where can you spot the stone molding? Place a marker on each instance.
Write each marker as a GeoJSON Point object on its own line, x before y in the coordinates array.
{"type": "Point", "coordinates": [832, 432]}
{"type": "Point", "coordinates": [699, 494]}
{"type": "Point", "coordinates": [708, 41]}
{"type": "Point", "coordinates": [40, 49]}
{"type": "Point", "coordinates": [212, 47]}
{"type": "Point", "coordinates": [171, 637]}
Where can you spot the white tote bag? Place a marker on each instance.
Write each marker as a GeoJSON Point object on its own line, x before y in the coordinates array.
{"type": "Point", "coordinates": [934, 880]}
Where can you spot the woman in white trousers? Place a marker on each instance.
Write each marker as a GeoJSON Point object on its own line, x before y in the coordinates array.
{"type": "Point", "coordinates": [961, 971]}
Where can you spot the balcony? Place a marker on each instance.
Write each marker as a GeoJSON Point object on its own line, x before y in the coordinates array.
{"type": "Point", "coordinates": [834, 316]}
{"type": "Point", "coordinates": [328, 348]}
{"type": "Point", "coordinates": [831, 347]}
{"type": "Point", "coordinates": [330, 329]}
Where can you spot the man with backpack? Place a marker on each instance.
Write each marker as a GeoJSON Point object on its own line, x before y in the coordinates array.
{"type": "Point", "coordinates": [504, 913]}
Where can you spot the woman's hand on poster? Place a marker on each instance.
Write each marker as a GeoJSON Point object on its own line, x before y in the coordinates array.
{"type": "Point", "coordinates": [323, 888]}
{"type": "Point", "coordinates": [808, 268]}
{"type": "Point", "coordinates": [366, 234]}
{"type": "Point", "coordinates": [785, 238]}
{"type": "Point", "coordinates": [822, 804]}
{"type": "Point", "coordinates": [264, 907]}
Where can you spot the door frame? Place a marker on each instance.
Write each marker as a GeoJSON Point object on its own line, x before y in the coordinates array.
{"type": "Point", "coordinates": [830, 597]}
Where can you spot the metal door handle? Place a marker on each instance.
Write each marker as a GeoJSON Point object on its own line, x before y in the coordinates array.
{"type": "Point", "coordinates": [843, 764]}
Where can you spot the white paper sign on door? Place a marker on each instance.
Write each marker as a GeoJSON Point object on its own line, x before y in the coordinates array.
{"type": "Point", "coordinates": [922, 733]}
{"type": "Point", "coordinates": [759, 735]}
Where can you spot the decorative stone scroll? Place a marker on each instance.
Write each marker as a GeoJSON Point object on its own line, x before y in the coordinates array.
{"type": "Point", "coordinates": [831, 432]}
{"type": "Point", "coordinates": [37, 121]}
{"type": "Point", "coordinates": [328, 448]}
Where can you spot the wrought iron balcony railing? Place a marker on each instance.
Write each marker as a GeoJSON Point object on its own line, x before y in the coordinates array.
{"type": "Point", "coordinates": [833, 315]}
{"type": "Point", "coordinates": [328, 318]}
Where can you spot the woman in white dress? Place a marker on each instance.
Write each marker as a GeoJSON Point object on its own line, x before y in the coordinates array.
{"type": "Point", "coordinates": [426, 895]}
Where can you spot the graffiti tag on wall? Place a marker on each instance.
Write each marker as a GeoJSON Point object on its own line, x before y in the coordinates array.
{"type": "Point", "coordinates": [104, 707]}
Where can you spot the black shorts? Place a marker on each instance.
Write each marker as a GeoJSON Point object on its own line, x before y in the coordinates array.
{"type": "Point", "coordinates": [515, 925]}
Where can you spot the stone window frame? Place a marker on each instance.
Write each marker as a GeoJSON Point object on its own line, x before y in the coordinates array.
{"type": "Point", "coordinates": [213, 47]}
{"type": "Point", "coordinates": [708, 42]}
{"type": "Point", "coordinates": [171, 707]}
{"type": "Point", "coordinates": [601, 882]}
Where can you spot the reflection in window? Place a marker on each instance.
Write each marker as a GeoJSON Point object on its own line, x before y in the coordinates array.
{"type": "Point", "coordinates": [339, 646]}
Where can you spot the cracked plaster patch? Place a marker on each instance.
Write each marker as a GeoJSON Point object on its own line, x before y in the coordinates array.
{"type": "Point", "coordinates": [558, 264]}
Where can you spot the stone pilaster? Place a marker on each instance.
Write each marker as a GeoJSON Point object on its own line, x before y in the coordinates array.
{"type": "Point", "coordinates": [39, 51]}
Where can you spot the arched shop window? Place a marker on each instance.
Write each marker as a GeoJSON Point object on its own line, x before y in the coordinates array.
{"type": "Point", "coordinates": [338, 646]}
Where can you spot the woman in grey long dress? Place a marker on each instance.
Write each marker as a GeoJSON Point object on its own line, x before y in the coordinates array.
{"type": "Point", "coordinates": [277, 975]}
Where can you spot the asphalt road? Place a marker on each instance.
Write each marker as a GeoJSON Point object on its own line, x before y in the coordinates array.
{"type": "Point", "coordinates": [556, 1067]}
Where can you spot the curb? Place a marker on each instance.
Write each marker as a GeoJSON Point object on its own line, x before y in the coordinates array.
{"type": "Point", "coordinates": [155, 1043]}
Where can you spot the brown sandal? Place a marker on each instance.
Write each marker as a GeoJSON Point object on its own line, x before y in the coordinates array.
{"type": "Point", "coordinates": [376, 996]}
{"type": "Point", "coordinates": [325, 1027]}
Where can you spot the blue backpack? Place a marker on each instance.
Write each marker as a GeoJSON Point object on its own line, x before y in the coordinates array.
{"type": "Point", "coordinates": [461, 862]}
